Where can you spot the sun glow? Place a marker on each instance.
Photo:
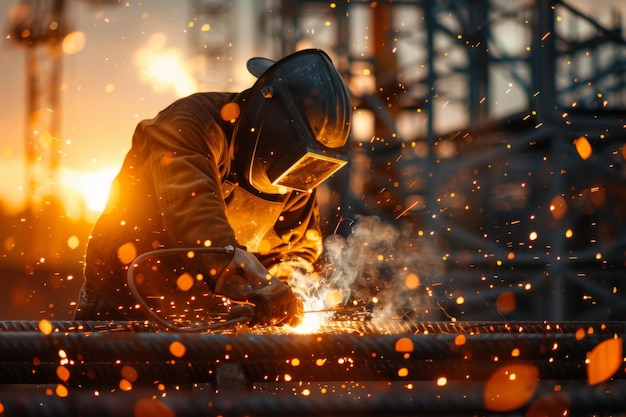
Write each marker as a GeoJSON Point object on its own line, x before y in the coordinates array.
{"type": "Point", "coordinates": [168, 69]}
{"type": "Point", "coordinates": [90, 188]}
{"type": "Point", "coordinates": [164, 68]}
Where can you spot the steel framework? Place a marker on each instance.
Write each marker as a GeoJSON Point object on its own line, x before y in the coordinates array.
{"type": "Point", "coordinates": [478, 113]}
{"type": "Point", "coordinates": [210, 41]}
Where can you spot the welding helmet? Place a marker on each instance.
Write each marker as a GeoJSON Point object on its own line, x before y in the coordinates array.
{"type": "Point", "coordinates": [294, 122]}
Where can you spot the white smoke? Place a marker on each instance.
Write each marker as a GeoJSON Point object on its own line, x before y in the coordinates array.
{"type": "Point", "coordinates": [377, 266]}
{"type": "Point", "coordinates": [353, 261]}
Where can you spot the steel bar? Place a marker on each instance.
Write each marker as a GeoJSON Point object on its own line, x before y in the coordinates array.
{"type": "Point", "coordinates": [149, 347]}
{"type": "Point", "coordinates": [395, 369]}
{"type": "Point", "coordinates": [456, 399]}
{"type": "Point", "coordinates": [109, 375]}
{"type": "Point", "coordinates": [97, 353]}
{"type": "Point", "coordinates": [343, 326]}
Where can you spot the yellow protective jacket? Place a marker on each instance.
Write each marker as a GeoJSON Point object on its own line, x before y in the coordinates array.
{"type": "Point", "coordinates": [178, 188]}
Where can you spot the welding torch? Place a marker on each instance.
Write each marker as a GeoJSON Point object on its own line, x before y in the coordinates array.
{"type": "Point", "coordinates": [241, 312]}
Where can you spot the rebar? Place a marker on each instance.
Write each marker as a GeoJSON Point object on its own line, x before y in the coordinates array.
{"type": "Point", "coordinates": [461, 399]}
{"type": "Point", "coordinates": [198, 374]}
{"type": "Point", "coordinates": [392, 326]}
{"type": "Point", "coordinates": [89, 350]}
{"type": "Point", "coordinates": [155, 346]}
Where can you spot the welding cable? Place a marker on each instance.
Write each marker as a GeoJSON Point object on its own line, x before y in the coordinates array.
{"type": "Point", "coordinates": [239, 314]}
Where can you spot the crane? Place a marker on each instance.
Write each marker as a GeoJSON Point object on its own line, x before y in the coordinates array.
{"type": "Point", "coordinates": [40, 26]}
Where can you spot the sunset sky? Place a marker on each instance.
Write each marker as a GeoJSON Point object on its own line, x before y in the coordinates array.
{"type": "Point", "coordinates": [135, 61]}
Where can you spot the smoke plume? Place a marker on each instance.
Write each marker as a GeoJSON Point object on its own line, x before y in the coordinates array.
{"type": "Point", "coordinates": [378, 266]}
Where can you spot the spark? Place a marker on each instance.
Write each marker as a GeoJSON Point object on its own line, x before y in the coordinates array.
{"type": "Point", "coordinates": [583, 147]}
{"type": "Point", "coordinates": [61, 391]}
{"type": "Point", "coordinates": [45, 327]}
{"type": "Point", "coordinates": [407, 209]}
{"type": "Point", "coordinates": [177, 349]}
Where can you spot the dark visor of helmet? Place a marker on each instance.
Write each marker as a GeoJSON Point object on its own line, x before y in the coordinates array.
{"type": "Point", "coordinates": [303, 162]}
{"type": "Point", "coordinates": [301, 140]}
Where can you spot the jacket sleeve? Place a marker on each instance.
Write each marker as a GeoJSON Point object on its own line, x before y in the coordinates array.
{"type": "Point", "coordinates": [183, 153]}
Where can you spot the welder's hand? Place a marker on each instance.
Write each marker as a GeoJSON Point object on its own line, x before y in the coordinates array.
{"type": "Point", "coordinates": [276, 304]}
{"type": "Point", "coordinates": [245, 279]}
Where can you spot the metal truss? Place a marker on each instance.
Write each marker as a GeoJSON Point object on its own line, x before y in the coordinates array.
{"type": "Point", "coordinates": [479, 113]}
{"type": "Point", "coordinates": [210, 41]}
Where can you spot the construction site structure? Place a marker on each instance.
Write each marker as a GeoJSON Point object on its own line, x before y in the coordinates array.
{"type": "Point", "coordinates": [493, 129]}
{"type": "Point", "coordinates": [40, 27]}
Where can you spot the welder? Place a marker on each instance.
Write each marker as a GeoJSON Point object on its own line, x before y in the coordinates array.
{"type": "Point", "coordinates": [223, 170]}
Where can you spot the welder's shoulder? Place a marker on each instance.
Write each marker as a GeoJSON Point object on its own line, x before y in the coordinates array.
{"type": "Point", "coordinates": [200, 104]}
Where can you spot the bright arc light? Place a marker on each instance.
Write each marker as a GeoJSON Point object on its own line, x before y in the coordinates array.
{"type": "Point", "coordinates": [318, 304]}
{"type": "Point", "coordinates": [312, 322]}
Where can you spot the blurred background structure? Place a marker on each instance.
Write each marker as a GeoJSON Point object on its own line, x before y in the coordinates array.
{"type": "Point", "coordinates": [490, 134]}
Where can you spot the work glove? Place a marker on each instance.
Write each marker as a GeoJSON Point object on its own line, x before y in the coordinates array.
{"type": "Point", "coordinates": [246, 280]}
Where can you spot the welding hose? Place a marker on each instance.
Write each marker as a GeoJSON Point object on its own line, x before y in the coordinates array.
{"type": "Point", "coordinates": [239, 314]}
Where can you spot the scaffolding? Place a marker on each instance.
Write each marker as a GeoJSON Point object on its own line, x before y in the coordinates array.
{"type": "Point", "coordinates": [210, 42]}
{"type": "Point", "coordinates": [471, 123]}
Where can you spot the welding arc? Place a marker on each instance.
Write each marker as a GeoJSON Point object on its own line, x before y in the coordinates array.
{"type": "Point", "coordinates": [338, 310]}
{"type": "Point", "coordinates": [239, 314]}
